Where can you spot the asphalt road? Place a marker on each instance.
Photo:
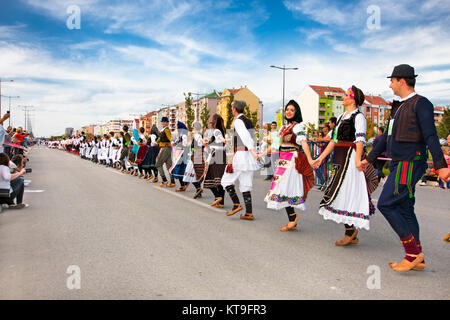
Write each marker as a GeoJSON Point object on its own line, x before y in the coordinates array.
{"type": "Point", "coordinates": [132, 240]}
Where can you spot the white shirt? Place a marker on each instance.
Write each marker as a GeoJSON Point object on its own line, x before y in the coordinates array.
{"type": "Point", "coordinates": [409, 96]}
{"type": "Point", "coordinates": [244, 160]}
{"type": "Point", "coordinates": [5, 177]}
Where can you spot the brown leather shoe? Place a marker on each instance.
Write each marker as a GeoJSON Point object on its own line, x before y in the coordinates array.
{"type": "Point", "coordinates": [181, 189]}
{"type": "Point", "coordinates": [346, 240]}
{"type": "Point", "coordinates": [149, 178]}
{"type": "Point", "coordinates": [163, 184]}
{"type": "Point", "coordinates": [219, 199]}
{"type": "Point", "coordinates": [171, 185]}
{"type": "Point", "coordinates": [218, 205]}
{"type": "Point", "coordinates": [198, 193]}
{"type": "Point", "coordinates": [247, 216]}
{"type": "Point", "coordinates": [405, 265]}
{"type": "Point", "coordinates": [141, 175]}
{"type": "Point", "coordinates": [291, 227]}
{"type": "Point", "coordinates": [155, 180]}
{"type": "Point", "coordinates": [237, 208]}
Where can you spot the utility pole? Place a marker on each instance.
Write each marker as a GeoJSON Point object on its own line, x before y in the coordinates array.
{"type": "Point", "coordinates": [2, 80]}
{"type": "Point", "coordinates": [9, 108]}
{"type": "Point", "coordinates": [26, 110]}
{"type": "Point", "coordinates": [284, 72]}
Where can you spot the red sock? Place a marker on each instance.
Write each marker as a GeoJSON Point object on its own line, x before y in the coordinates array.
{"type": "Point", "coordinates": [410, 246]}
{"type": "Point", "coordinates": [419, 247]}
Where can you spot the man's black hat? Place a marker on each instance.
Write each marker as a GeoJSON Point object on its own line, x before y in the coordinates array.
{"type": "Point", "coordinates": [164, 119]}
{"type": "Point", "coordinates": [403, 71]}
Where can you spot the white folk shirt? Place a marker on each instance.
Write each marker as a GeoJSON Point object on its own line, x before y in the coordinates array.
{"type": "Point", "coordinates": [244, 160]}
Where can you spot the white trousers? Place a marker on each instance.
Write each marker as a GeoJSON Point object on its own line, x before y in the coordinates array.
{"type": "Point", "coordinates": [245, 179]}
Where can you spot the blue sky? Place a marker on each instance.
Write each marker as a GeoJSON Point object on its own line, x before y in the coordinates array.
{"type": "Point", "coordinates": [132, 56]}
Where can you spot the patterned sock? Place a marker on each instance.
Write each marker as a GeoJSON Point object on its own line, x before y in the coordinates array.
{"type": "Point", "coordinates": [232, 192]}
{"type": "Point", "coordinates": [248, 201]}
{"type": "Point", "coordinates": [410, 245]}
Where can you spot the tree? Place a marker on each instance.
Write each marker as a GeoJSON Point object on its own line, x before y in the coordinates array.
{"type": "Point", "coordinates": [310, 128]}
{"type": "Point", "coordinates": [204, 116]}
{"type": "Point", "coordinates": [230, 116]}
{"type": "Point", "coordinates": [190, 114]}
{"type": "Point", "coordinates": [444, 125]}
{"type": "Point", "coordinates": [370, 129]}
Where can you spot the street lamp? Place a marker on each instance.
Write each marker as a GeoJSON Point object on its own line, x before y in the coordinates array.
{"type": "Point", "coordinates": [1, 80]}
{"type": "Point", "coordinates": [284, 71]}
{"type": "Point", "coordinates": [9, 108]}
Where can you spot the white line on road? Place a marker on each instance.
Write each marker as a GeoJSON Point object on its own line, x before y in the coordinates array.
{"type": "Point", "coordinates": [189, 199]}
{"type": "Point", "coordinates": [26, 190]}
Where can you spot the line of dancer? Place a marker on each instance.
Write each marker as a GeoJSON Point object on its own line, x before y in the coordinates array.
{"type": "Point", "coordinates": [201, 160]}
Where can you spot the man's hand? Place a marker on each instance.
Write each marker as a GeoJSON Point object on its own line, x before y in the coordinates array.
{"type": "Point", "coordinates": [444, 174]}
{"type": "Point", "coordinates": [364, 165]}
{"type": "Point", "coordinates": [23, 171]}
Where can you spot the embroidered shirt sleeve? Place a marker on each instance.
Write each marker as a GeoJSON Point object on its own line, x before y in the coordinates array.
{"type": "Point", "coordinates": [360, 127]}
{"type": "Point", "coordinates": [299, 130]}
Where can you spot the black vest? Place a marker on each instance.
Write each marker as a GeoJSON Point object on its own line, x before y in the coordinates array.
{"type": "Point", "coordinates": [236, 139]}
{"type": "Point", "coordinates": [407, 127]}
{"type": "Point", "coordinates": [347, 130]}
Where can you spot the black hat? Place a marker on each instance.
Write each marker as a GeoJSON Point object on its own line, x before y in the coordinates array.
{"type": "Point", "coordinates": [403, 71]}
{"type": "Point", "coordinates": [164, 119]}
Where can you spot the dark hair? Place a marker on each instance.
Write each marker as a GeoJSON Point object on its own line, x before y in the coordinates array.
{"type": "Point", "coordinates": [381, 129]}
{"type": "Point", "coordinates": [359, 96]}
{"type": "Point", "coordinates": [141, 129]}
{"type": "Point", "coordinates": [122, 134]}
{"type": "Point", "coordinates": [298, 113]}
{"type": "Point", "coordinates": [410, 82]}
{"type": "Point", "coordinates": [274, 122]}
{"type": "Point", "coordinates": [111, 133]}
{"type": "Point", "coordinates": [17, 160]}
{"type": "Point", "coordinates": [239, 105]}
{"type": "Point", "coordinates": [154, 130]}
{"type": "Point", "coordinates": [125, 128]}
{"type": "Point", "coordinates": [327, 125]}
{"type": "Point", "coordinates": [4, 159]}
{"type": "Point", "coordinates": [217, 121]}
{"type": "Point", "coordinates": [333, 119]}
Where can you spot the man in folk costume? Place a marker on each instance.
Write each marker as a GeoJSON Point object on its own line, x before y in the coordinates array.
{"type": "Point", "coordinates": [165, 153]}
{"type": "Point", "coordinates": [243, 164]}
{"type": "Point", "coordinates": [411, 130]}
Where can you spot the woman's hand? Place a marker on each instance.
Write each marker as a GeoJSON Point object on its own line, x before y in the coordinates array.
{"type": "Point", "coordinates": [359, 165]}
{"type": "Point", "coordinates": [316, 164]}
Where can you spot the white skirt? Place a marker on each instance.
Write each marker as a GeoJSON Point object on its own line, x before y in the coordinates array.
{"type": "Point", "coordinates": [189, 174]}
{"type": "Point", "coordinates": [287, 185]}
{"type": "Point", "coordinates": [352, 199]}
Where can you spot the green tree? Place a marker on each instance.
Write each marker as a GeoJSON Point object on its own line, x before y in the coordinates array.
{"type": "Point", "coordinates": [310, 128]}
{"type": "Point", "coordinates": [204, 116]}
{"type": "Point", "coordinates": [444, 125]}
{"type": "Point", "coordinates": [190, 114]}
{"type": "Point", "coordinates": [230, 116]}
{"type": "Point", "coordinates": [370, 129]}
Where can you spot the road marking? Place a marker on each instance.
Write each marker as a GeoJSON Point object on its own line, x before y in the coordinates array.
{"type": "Point", "coordinates": [189, 199]}
{"type": "Point", "coordinates": [26, 190]}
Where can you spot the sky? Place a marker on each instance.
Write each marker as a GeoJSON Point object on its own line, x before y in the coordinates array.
{"type": "Point", "coordinates": [132, 57]}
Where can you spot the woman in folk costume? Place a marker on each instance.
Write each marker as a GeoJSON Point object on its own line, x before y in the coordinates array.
{"type": "Point", "coordinates": [181, 143]}
{"type": "Point", "coordinates": [217, 160]}
{"type": "Point", "coordinates": [347, 198]}
{"type": "Point", "coordinates": [94, 150]}
{"type": "Point", "coordinates": [111, 140]}
{"type": "Point", "coordinates": [143, 144]}
{"type": "Point", "coordinates": [195, 168]}
{"type": "Point", "coordinates": [150, 158]}
{"type": "Point", "coordinates": [293, 176]}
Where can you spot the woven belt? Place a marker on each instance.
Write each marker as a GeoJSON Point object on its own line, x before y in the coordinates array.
{"type": "Point", "coordinates": [345, 144]}
{"type": "Point", "coordinates": [241, 148]}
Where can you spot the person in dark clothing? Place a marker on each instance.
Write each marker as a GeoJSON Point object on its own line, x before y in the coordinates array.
{"type": "Point", "coordinates": [411, 130]}
{"type": "Point", "coordinates": [379, 164]}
